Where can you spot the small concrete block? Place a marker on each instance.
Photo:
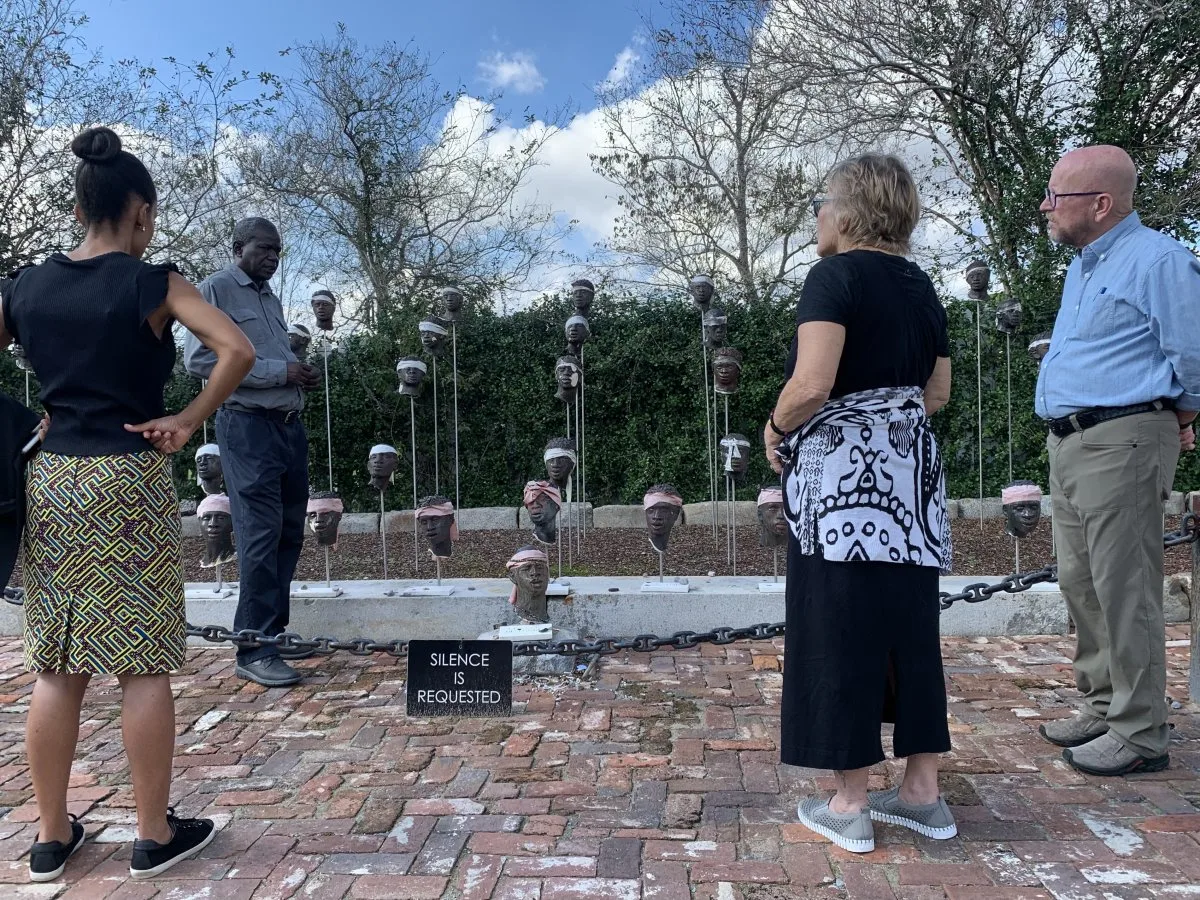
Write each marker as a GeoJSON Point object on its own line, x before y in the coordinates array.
{"type": "Point", "coordinates": [1177, 602]}
{"type": "Point", "coordinates": [1047, 506]}
{"type": "Point", "coordinates": [951, 509]}
{"type": "Point", "coordinates": [968, 508]}
{"type": "Point", "coordinates": [359, 523]}
{"type": "Point", "coordinates": [487, 518]}
{"type": "Point", "coordinates": [191, 526]}
{"type": "Point", "coordinates": [398, 520]}
{"type": "Point", "coordinates": [619, 517]}
{"type": "Point", "coordinates": [1174, 504]}
{"type": "Point", "coordinates": [187, 507]}
{"type": "Point", "coordinates": [745, 512]}
{"type": "Point", "coordinates": [567, 513]}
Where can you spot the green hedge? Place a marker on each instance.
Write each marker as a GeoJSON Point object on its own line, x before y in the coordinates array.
{"type": "Point", "coordinates": [644, 403]}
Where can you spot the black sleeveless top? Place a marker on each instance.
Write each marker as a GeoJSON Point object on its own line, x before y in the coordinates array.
{"type": "Point", "coordinates": [82, 324]}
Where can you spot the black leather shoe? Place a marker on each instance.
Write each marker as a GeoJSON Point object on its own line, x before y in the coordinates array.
{"type": "Point", "coordinates": [271, 671]}
{"type": "Point", "coordinates": [48, 859]}
{"type": "Point", "coordinates": [296, 653]}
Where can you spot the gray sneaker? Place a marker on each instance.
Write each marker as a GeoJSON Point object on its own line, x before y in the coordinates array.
{"type": "Point", "coordinates": [852, 831]}
{"type": "Point", "coordinates": [1073, 731]}
{"type": "Point", "coordinates": [933, 820]}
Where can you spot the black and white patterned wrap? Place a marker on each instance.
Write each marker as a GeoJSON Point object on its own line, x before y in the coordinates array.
{"type": "Point", "coordinates": [865, 482]}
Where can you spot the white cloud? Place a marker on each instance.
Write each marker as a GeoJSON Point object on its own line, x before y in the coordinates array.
{"type": "Point", "coordinates": [621, 71]}
{"type": "Point", "coordinates": [517, 72]}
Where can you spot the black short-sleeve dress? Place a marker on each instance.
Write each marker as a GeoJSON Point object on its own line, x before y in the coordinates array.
{"type": "Point", "coordinates": [103, 571]}
{"type": "Point", "coordinates": [862, 642]}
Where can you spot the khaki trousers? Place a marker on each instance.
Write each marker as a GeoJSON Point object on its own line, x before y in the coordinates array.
{"type": "Point", "coordinates": [1107, 486]}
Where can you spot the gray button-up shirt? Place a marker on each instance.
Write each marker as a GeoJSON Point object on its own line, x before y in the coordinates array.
{"type": "Point", "coordinates": [258, 312]}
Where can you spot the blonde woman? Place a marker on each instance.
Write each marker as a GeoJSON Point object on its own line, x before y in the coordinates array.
{"type": "Point", "coordinates": [865, 502]}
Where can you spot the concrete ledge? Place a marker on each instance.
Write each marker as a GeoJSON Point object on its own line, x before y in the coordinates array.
{"type": "Point", "coordinates": [619, 517]}
{"type": "Point", "coordinates": [486, 518]}
{"type": "Point", "coordinates": [968, 507]}
{"type": "Point", "coordinates": [745, 512]}
{"type": "Point", "coordinates": [398, 521]}
{"type": "Point", "coordinates": [597, 607]}
{"type": "Point", "coordinates": [191, 526]}
{"type": "Point", "coordinates": [359, 523]}
{"type": "Point", "coordinates": [568, 511]}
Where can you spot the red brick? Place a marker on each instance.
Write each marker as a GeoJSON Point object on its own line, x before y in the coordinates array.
{"type": "Point", "coordinates": [504, 843]}
{"type": "Point", "coordinates": [522, 744]}
{"type": "Point", "coordinates": [559, 789]}
{"type": "Point", "coordinates": [944, 873]}
{"type": "Point", "coordinates": [398, 887]}
{"type": "Point", "coordinates": [517, 889]}
{"type": "Point", "coordinates": [478, 875]}
{"type": "Point", "coordinates": [1171, 824]}
{"type": "Point", "coordinates": [590, 889]}
{"type": "Point", "coordinates": [751, 872]}
{"type": "Point", "coordinates": [994, 892]}
{"type": "Point", "coordinates": [550, 866]}
{"type": "Point", "coordinates": [346, 804]}
{"type": "Point", "coordinates": [636, 761]}
{"type": "Point", "coordinates": [531, 806]}
{"type": "Point", "coordinates": [442, 808]}
{"type": "Point", "coordinates": [805, 865]}
{"type": "Point", "coordinates": [665, 881]}
{"type": "Point", "coordinates": [761, 744]}
{"type": "Point", "coordinates": [690, 851]}
{"type": "Point", "coordinates": [249, 798]}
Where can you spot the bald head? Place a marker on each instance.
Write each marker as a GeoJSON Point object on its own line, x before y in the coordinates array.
{"type": "Point", "coordinates": [1104, 168]}
{"type": "Point", "coordinates": [1093, 189]}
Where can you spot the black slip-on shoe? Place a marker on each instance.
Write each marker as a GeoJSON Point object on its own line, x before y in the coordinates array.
{"type": "Point", "coordinates": [189, 837]}
{"type": "Point", "coordinates": [271, 671]}
{"type": "Point", "coordinates": [48, 859]}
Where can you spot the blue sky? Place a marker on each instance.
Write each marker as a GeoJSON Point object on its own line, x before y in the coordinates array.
{"type": "Point", "coordinates": [544, 54]}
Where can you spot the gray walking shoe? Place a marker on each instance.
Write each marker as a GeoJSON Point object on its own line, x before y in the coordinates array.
{"type": "Point", "coordinates": [850, 831]}
{"type": "Point", "coordinates": [934, 820]}
{"type": "Point", "coordinates": [1078, 729]}
{"type": "Point", "coordinates": [1108, 756]}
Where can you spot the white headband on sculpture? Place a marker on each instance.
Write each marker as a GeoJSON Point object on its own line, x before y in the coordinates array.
{"type": "Point", "coordinates": [324, 505]}
{"type": "Point", "coordinates": [556, 452]}
{"type": "Point", "coordinates": [208, 450]}
{"type": "Point", "coordinates": [297, 328]}
{"type": "Point", "coordinates": [578, 320]}
{"type": "Point", "coordinates": [382, 448]}
{"type": "Point", "coordinates": [411, 364]}
{"type": "Point", "coordinates": [770, 495]}
{"type": "Point", "coordinates": [701, 279]}
{"type": "Point", "coordinates": [433, 327]}
{"type": "Point", "coordinates": [213, 503]}
{"type": "Point", "coordinates": [1020, 493]}
{"type": "Point", "coordinates": [656, 497]}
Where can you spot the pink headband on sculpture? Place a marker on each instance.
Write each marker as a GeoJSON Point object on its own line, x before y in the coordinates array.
{"type": "Point", "coordinates": [436, 510]}
{"type": "Point", "coordinates": [1020, 493]}
{"type": "Point", "coordinates": [213, 503]}
{"type": "Point", "coordinates": [770, 495]}
{"type": "Point", "coordinates": [535, 489]}
{"type": "Point", "coordinates": [655, 498]}
{"type": "Point", "coordinates": [519, 558]}
{"type": "Point", "coordinates": [325, 505]}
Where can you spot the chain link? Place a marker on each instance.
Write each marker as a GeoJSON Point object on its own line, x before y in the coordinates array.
{"type": "Point", "coordinates": [1187, 533]}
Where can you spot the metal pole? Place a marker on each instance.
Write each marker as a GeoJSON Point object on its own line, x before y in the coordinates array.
{"type": "Point", "coordinates": [220, 579]}
{"type": "Point", "coordinates": [412, 408]}
{"type": "Point", "coordinates": [1008, 362]}
{"type": "Point", "coordinates": [383, 533]}
{"type": "Point", "coordinates": [438, 562]}
{"type": "Point", "coordinates": [582, 448]}
{"type": "Point", "coordinates": [979, 398]}
{"type": "Point", "coordinates": [328, 430]}
{"type": "Point", "coordinates": [558, 537]}
{"type": "Point", "coordinates": [708, 428]}
{"type": "Point", "coordinates": [27, 403]}
{"type": "Point", "coordinates": [454, 346]}
{"type": "Point", "coordinates": [1016, 554]}
{"type": "Point", "coordinates": [437, 480]}
{"type": "Point", "coordinates": [328, 582]}
{"type": "Point", "coordinates": [203, 385]}
{"type": "Point", "coordinates": [570, 483]}
{"type": "Point", "coordinates": [775, 562]}
{"type": "Point", "coordinates": [1193, 504]}
{"type": "Point", "coordinates": [575, 508]}
{"type": "Point", "coordinates": [728, 493]}
{"type": "Point", "coordinates": [661, 565]}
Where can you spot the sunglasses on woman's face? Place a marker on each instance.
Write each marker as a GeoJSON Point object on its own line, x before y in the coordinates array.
{"type": "Point", "coordinates": [817, 203]}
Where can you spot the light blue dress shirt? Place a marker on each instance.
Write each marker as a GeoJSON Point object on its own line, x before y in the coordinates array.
{"type": "Point", "coordinates": [1128, 329]}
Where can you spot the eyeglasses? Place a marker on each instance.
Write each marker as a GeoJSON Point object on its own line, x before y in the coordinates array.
{"type": "Point", "coordinates": [1052, 196]}
{"type": "Point", "coordinates": [817, 203]}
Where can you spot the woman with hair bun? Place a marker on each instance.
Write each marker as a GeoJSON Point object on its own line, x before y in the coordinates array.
{"type": "Point", "coordinates": [103, 562]}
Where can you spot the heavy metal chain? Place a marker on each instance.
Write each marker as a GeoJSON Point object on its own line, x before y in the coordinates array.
{"type": "Point", "coordinates": [1188, 533]}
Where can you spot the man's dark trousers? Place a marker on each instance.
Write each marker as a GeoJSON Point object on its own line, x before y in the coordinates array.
{"type": "Point", "coordinates": [265, 461]}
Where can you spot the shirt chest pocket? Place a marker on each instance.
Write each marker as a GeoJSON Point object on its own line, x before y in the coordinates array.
{"type": "Point", "coordinates": [1105, 314]}
{"type": "Point", "coordinates": [252, 325]}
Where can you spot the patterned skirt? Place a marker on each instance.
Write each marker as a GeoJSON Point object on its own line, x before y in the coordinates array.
{"type": "Point", "coordinates": [103, 569]}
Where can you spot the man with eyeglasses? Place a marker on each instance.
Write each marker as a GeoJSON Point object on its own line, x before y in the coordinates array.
{"type": "Point", "coordinates": [1119, 388]}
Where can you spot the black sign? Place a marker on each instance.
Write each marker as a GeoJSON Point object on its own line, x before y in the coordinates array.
{"type": "Point", "coordinates": [459, 678]}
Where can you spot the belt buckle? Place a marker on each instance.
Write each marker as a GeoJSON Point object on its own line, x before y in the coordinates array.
{"type": "Point", "coordinates": [1073, 421]}
{"type": "Point", "coordinates": [289, 417]}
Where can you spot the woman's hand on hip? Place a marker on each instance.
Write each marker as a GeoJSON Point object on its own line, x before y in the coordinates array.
{"type": "Point", "coordinates": [168, 434]}
{"type": "Point", "coordinates": [771, 442]}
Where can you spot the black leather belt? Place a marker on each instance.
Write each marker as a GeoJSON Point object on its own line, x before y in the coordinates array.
{"type": "Point", "coordinates": [286, 416]}
{"type": "Point", "coordinates": [1086, 418]}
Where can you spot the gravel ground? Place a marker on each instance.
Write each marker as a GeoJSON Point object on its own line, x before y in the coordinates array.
{"type": "Point", "coordinates": [618, 551]}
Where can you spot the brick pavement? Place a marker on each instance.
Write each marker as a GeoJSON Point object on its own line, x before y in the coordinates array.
{"type": "Point", "coordinates": [658, 778]}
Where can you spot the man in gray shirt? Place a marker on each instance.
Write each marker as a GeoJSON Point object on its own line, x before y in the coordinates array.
{"type": "Point", "coordinates": [264, 450]}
